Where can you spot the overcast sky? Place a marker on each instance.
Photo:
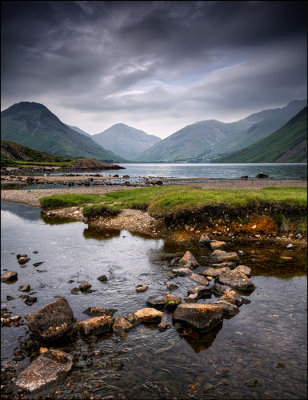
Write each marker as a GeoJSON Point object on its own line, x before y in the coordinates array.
{"type": "Point", "coordinates": [156, 66]}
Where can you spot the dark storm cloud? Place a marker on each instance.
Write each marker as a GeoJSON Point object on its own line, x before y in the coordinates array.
{"type": "Point", "coordinates": [159, 64]}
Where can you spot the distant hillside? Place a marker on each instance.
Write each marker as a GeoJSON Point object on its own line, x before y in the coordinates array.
{"type": "Point", "coordinates": [126, 141]}
{"type": "Point", "coordinates": [33, 125]}
{"type": "Point", "coordinates": [287, 144]}
{"type": "Point", "coordinates": [206, 141]}
{"type": "Point", "coordinates": [76, 129]}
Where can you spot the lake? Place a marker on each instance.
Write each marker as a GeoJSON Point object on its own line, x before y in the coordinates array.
{"type": "Point", "coordinates": [149, 364]}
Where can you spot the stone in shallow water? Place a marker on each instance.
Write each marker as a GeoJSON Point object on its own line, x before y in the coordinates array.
{"type": "Point", "coordinates": [216, 244]}
{"type": "Point", "coordinates": [172, 286]}
{"type": "Point", "coordinates": [221, 289]}
{"type": "Point", "coordinates": [23, 260]}
{"type": "Point", "coordinates": [204, 240]}
{"type": "Point", "coordinates": [24, 288]}
{"type": "Point", "coordinates": [102, 278]}
{"type": "Point", "coordinates": [99, 311]}
{"type": "Point", "coordinates": [47, 368]}
{"type": "Point", "coordinates": [51, 321]}
{"type": "Point", "coordinates": [201, 316]}
{"type": "Point", "coordinates": [228, 309]}
{"type": "Point", "coordinates": [244, 270]}
{"type": "Point", "coordinates": [95, 325]}
{"type": "Point", "coordinates": [84, 286]}
{"type": "Point", "coordinates": [188, 260]}
{"type": "Point", "coordinates": [214, 272]}
{"type": "Point", "coordinates": [148, 314]}
{"type": "Point", "coordinates": [200, 290]}
{"type": "Point", "coordinates": [169, 301]}
{"type": "Point", "coordinates": [236, 280]}
{"type": "Point", "coordinates": [162, 326]}
{"type": "Point", "coordinates": [232, 297]}
{"type": "Point", "coordinates": [9, 276]}
{"type": "Point", "coordinates": [121, 325]}
{"type": "Point", "coordinates": [181, 271]}
{"type": "Point", "coordinates": [219, 256]}
{"type": "Point", "coordinates": [201, 280]}
{"type": "Point", "coordinates": [141, 288]}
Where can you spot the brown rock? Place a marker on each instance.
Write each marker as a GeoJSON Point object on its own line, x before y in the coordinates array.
{"type": "Point", "coordinates": [99, 311]}
{"type": "Point", "coordinates": [188, 260]}
{"type": "Point", "coordinates": [219, 256]}
{"type": "Point", "coordinates": [23, 260]}
{"type": "Point", "coordinates": [244, 270]}
{"type": "Point", "coordinates": [232, 297]}
{"type": "Point", "coordinates": [216, 244]}
{"type": "Point", "coordinates": [121, 325]}
{"type": "Point", "coordinates": [221, 289]}
{"type": "Point", "coordinates": [51, 321]}
{"type": "Point", "coordinates": [201, 280]}
{"type": "Point", "coordinates": [148, 315]}
{"type": "Point", "coordinates": [141, 288]}
{"type": "Point", "coordinates": [162, 326]}
{"type": "Point", "coordinates": [169, 301]}
{"type": "Point", "coordinates": [181, 271]}
{"type": "Point", "coordinates": [24, 288]}
{"type": "Point", "coordinates": [227, 308]}
{"type": "Point", "coordinates": [9, 276]}
{"type": "Point", "coordinates": [204, 240]}
{"type": "Point", "coordinates": [201, 316]}
{"type": "Point", "coordinates": [84, 286]}
{"type": "Point", "coordinates": [214, 272]}
{"type": "Point", "coordinates": [236, 280]}
{"type": "Point", "coordinates": [47, 368]}
{"type": "Point", "coordinates": [95, 326]}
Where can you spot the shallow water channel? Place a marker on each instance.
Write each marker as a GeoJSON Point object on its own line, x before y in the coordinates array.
{"type": "Point", "coordinates": [149, 364]}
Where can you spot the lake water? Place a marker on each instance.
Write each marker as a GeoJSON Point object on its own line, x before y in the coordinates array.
{"type": "Point", "coordinates": [149, 364]}
{"type": "Point", "coordinates": [218, 171]}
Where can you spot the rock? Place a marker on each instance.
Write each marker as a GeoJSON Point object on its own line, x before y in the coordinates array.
{"type": "Point", "coordinates": [169, 301]}
{"type": "Point", "coordinates": [181, 271]}
{"type": "Point", "coordinates": [280, 365]}
{"type": "Point", "coordinates": [52, 321]}
{"type": "Point", "coordinates": [220, 289]}
{"type": "Point", "coordinates": [219, 256]}
{"type": "Point", "coordinates": [201, 316]}
{"type": "Point", "coordinates": [148, 315]}
{"type": "Point", "coordinates": [261, 176]}
{"type": "Point", "coordinates": [75, 290]}
{"type": "Point", "coordinates": [201, 280]}
{"type": "Point", "coordinates": [99, 311]}
{"type": "Point", "coordinates": [244, 177]}
{"type": "Point", "coordinates": [216, 244]}
{"type": "Point", "coordinates": [299, 236]}
{"type": "Point", "coordinates": [252, 382]}
{"type": "Point", "coordinates": [204, 240]}
{"type": "Point", "coordinates": [224, 265]}
{"type": "Point", "coordinates": [192, 298]}
{"type": "Point", "coordinates": [102, 278]}
{"type": "Point", "coordinates": [23, 260]}
{"type": "Point", "coordinates": [18, 256]}
{"type": "Point", "coordinates": [188, 260]}
{"type": "Point", "coordinates": [224, 382]}
{"type": "Point", "coordinates": [9, 276]}
{"type": "Point", "coordinates": [214, 272]}
{"type": "Point", "coordinates": [236, 280]}
{"type": "Point", "coordinates": [243, 269]}
{"type": "Point", "coordinates": [95, 326]}
{"type": "Point", "coordinates": [131, 318]}
{"type": "Point", "coordinates": [141, 288]}
{"type": "Point", "coordinates": [172, 286]}
{"type": "Point", "coordinates": [200, 290]}
{"type": "Point", "coordinates": [24, 288]}
{"type": "Point", "coordinates": [84, 286]}
{"type": "Point", "coordinates": [121, 325]}
{"type": "Point", "coordinates": [290, 246]}
{"type": "Point", "coordinates": [30, 300]}
{"type": "Point", "coordinates": [163, 326]}
{"type": "Point", "coordinates": [228, 309]}
{"type": "Point", "coordinates": [232, 297]}
{"type": "Point", "coordinates": [47, 368]}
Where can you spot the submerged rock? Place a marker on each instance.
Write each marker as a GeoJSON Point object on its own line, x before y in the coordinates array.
{"type": "Point", "coordinates": [95, 326]}
{"type": "Point", "coordinates": [236, 280]}
{"type": "Point", "coordinates": [201, 316]}
{"type": "Point", "coordinates": [50, 366]}
{"type": "Point", "coordinates": [51, 321]}
{"type": "Point", "coordinates": [148, 315]}
{"type": "Point", "coordinates": [121, 325]}
{"type": "Point", "coordinates": [188, 260]}
{"type": "Point", "coordinates": [216, 244]}
{"type": "Point", "coordinates": [9, 276]}
{"type": "Point", "coordinates": [169, 301]}
{"type": "Point", "coordinates": [243, 269]}
{"type": "Point", "coordinates": [219, 256]}
{"type": "Point", "coordinates": [99, 311]}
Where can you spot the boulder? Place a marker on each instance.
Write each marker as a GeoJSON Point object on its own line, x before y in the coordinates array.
{"type": "Point", "coordinates": [181, 271]}
{"type": "Point", "coordinates": [9, 276]}
{"type": "Point", "coordinates": [95, 326]}
{"type": "Point", "coordinates": [243, 269]}
{"type": "Point", "coordinates": [51, 321]}
{"type": "Point", "coordinates": [148, 315]}
{"type": "Point", "coordinates": [232, 297]}
{"type": "Point", "coordinates": [204, 240]}
{"type": "Point", "coordinates": [216, 244]}
{"type": "Point", "coordinates": [84, 286]}
{"type": "Point", "coordinates": [99, 311]}
{"type": "Point", "coordinates": [141, 288]}
{"type": "Point", "coordinates": [228, 309]}
{"type": "Point", "coordinates": [121, 325]}
{"type": "Point", "coordinates": [219, 256]}
{"type": "Point", "coordinates": [201, 280]}
{"type": "Point", "coordinates": [236, 280]}
{"type": "Point", "coordinates": [214, 272]}
{"type": "Point", "coordinates": [188, 260]}
{"type": "Point", "coordinates": [169, 301]}
{"type": "Point", "coordinates": [49, 367]}
{"type": "Point", "coordinates": [201, 316]}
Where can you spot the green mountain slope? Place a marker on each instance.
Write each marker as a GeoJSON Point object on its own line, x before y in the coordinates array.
{"type": "Point", "coordinates": [287, 144]}
{"type": "Point", "coordinates": [206, 141]}
{"type": "Point", "coordinates": [125, 140]}
{"type": "Point", "coordinates": [33, 125]}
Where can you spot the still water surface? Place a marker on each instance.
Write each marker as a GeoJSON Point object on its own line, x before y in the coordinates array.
{"type": "Point", "coordinates": [149, 364]}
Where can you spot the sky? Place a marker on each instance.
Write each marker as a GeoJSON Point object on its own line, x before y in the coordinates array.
{"type": "Point", "coordinates": [157, 66]}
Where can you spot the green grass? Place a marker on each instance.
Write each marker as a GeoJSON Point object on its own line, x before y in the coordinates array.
{"type": "Point", "coordinates": [26, 164]}
{"type": "Point", "coordinates": [160, 201]}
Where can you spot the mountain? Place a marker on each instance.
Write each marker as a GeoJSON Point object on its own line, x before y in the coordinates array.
{"type": "Point", "coordinates": [206, 141]}
{"type": "Point", "coordinates": [33, 125]}
{"type": "Point", "coordinates": [287, 144]}
{"type": "Point", "coordinates": [126, 141]}
{"type": "Point", "coordinates": [76, 129]}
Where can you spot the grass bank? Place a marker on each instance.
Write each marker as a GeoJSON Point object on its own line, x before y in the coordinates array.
{"type": "Point", "coordinates": [173, 200]}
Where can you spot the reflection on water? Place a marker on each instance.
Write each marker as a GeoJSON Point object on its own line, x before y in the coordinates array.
{"type": "Point", "coordinates": [149, 364]}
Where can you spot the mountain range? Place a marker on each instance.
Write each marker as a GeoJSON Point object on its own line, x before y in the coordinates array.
{"type": "Point", "coordinates": [33, 125]}
{"type": "Point", "coordinates": [209, 140]}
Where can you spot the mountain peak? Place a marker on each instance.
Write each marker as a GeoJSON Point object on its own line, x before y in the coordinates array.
{"type": "Point", "coordinates": [24, 106]}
